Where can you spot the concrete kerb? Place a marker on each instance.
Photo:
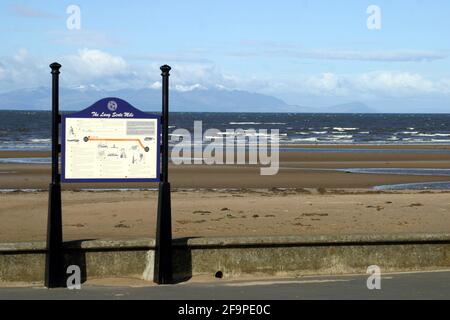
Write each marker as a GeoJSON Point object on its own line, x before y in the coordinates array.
{"type": "Point", "coordinates": [289, 256]}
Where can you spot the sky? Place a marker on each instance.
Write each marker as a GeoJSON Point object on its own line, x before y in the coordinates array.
{"type": "Point", "coordinates": [390, 55]}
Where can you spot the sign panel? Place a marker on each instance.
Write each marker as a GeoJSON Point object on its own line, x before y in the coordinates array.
{"type": "Point", "coordinates": [111, 141]}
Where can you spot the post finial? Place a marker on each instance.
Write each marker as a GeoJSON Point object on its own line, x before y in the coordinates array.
{"type": "Point", "coordinates": [165, 69]}
{"type": "Point", "coordinates": [55, 66]}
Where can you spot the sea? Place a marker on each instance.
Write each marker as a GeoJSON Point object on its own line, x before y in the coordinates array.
{"type": "Point", "coordinates": [31, 130]}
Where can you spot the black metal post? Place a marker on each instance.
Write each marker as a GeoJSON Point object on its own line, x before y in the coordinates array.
{"type": "Point", "coordinates": [163, 250]}
{"type": "Point", "coordinates": [54, 272]}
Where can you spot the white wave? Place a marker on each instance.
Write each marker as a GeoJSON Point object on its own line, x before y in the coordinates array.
{"type": "Point", "coordinates": [433, 135]}
{"type": "Point", "coordinates": [344, 129]}
{"type": "Point", "coordinates": [305, 140]}
{"type": "Point", "coordinates": [39, 140]}
{"type": "Point", "coordinates": [440, 140]}
{"type": "Point", "coordinates": [249, 133]}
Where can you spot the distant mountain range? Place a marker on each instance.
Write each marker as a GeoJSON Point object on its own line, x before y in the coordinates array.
{"type": "Point", "coordinates": [211, 100]}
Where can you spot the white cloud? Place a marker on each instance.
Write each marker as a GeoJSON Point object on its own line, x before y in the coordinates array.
{"type": "Point", "coordinates": [96, 63]}
{"type": "Point", "coordinates": [2, 72]}
{"type": "Point", "coordinates": [21, 56]}
{"type": "Point", "coordinates": [183, 88]}
{"type": "Point", "coordinates": [21, 70]}
{"type": "Point", "coordinates": [192, 73]}
{"type": "Point", "coordinates": [327, 83]}
{"type": "Point", "coordinates": [395, 83]}
{"type": "Point", "coordinates": [156, 85]}
{"type": "Point", "coordinates": [373, 84]}
{"type": "Point", "coordinates": [293, 50]}
{"type": "Point", "coordinates": [191, 76]}
{"type": "Point", "coordinates": [384, 56]}
{"type": "Point", "coordinates": [108, 72]}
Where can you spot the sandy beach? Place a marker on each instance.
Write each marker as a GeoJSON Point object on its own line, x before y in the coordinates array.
{"type": "Point", "coordinates": [306, 197]}
{"type": "Point", "coordinates": [207, 213]}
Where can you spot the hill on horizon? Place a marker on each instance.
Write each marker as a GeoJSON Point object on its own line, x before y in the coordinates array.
{"type": "Point", "coordinates": [198, 100]}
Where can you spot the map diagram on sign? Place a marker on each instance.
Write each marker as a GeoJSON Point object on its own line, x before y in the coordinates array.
{"type": "Point", "coordinates": [97, 148]}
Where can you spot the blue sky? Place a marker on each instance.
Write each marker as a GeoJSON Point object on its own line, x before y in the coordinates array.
{"type": "Point", "coordinates": [312, 53]}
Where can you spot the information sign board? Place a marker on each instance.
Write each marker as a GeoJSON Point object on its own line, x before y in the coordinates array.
{"type": "Point", "coordinates": [111, 141]}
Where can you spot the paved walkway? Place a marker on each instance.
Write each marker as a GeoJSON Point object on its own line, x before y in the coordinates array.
{"type": "Point", "coordinates": [429, 285]}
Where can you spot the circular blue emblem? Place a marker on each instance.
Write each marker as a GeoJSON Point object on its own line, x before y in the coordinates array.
{"type": "Point", "coordinates": [112, 105]}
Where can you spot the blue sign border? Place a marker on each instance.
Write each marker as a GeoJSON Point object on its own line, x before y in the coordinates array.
{"type": "Point", "coordinates": [102, 106]}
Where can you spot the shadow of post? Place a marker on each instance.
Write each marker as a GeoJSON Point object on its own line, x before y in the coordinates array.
{"type": "Point", "coordinates": [74, 254]}
{"type": "Point", "coordinates": [181, 260]}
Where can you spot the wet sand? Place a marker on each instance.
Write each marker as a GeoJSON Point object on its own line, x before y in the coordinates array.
{"type": "Point", "coordinates": [297, 170]}
{"type": "Point", "coordinates": [224, 200]}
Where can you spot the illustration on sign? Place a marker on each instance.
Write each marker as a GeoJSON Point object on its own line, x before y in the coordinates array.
{"type": "Point", "coordinates": [111, 141]}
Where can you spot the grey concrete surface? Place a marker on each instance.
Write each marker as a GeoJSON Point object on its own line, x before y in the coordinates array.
{"type": "Point", "coordinates": [428, 285]}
